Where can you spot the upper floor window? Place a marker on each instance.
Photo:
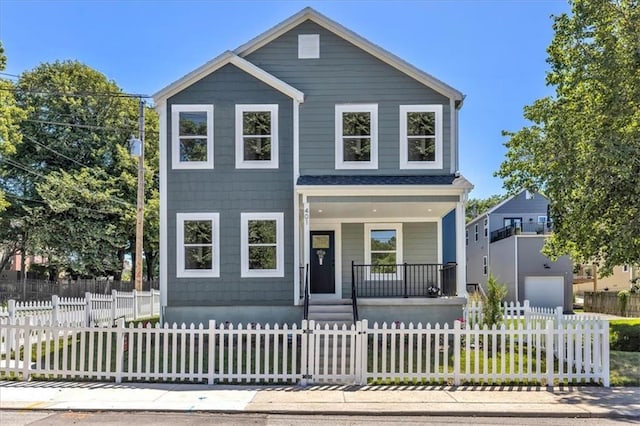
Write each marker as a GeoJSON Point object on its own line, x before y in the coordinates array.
{"type": "Point", "coordinates": [262, 250]}
{"type": "Point", "coordinates": [192, 136]}
{"type": "Point", "coordinates": [198, 245]}
{"type": "Point", "coordinates": [357, 136]}
{"type": "Point", "coordinates": [475, 228]}
{"type": "Point", "coordinates": [466, 237]}
{"type": "Point", "coordinates": [421, 136]}
{"type": "Point", "coordinates": [257, 136]}
{"type": "Point", "coordinates": [486, 228]}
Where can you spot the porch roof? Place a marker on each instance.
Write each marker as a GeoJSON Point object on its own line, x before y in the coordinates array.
{"type": "Point", "coordinates": [376, 180]}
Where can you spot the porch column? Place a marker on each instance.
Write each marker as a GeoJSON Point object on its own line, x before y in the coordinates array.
{"type": "Point", "coordinates": [461, 260]}
{"type": "Point", "coordinates": [305, 237]}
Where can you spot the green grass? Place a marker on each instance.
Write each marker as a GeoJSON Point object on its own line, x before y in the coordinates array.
{"type": "Point", "coordinates": [625, 368]}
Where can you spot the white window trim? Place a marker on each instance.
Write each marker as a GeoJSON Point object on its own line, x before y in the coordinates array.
{"type": "Point", "coordinates": [244, 248]}
{"type": "Point", "coordinates": [404, 149]}
{"type": "Point", "coordinates": [485, 265]}
{"type": "Point", "coordinates": [175, 137]}
{"type": "Point", "coordinates": [181, 272]}
{"type": "Point", "coordinates": [543, 221]}
{"type": "Point", "coordinates": [241, 163]}
{"type": "Point", "coordinates": [466, 235]}
{"type": "Point", "coordinates": [362, 165]}
{"type": "Point", "coordinates": [476, 232]}
{"type": "Point", "coordinates": [368, 227]}
{"type": "Point", "coordinates": [486, 228]}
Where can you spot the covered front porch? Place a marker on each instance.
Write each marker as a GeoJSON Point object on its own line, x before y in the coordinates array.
{"type": "Point", "coordinates": [381, 243]}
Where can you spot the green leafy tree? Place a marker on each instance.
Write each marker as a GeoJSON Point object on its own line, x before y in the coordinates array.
{"type": "Point", "coordinates": [582, 149]}
{"type": "Point", "coordinates": [73, 179]}
{"type": "Point", "coordinates": [476, 206]}
{"type": "Point", "coordinates": [10, 117]}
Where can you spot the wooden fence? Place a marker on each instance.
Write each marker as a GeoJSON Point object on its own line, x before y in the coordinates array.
{"type": "Point", "coordinates": [536, 352]}
{"type": "Point", "coordinates": [606, 302]}
{"type": "Point", "coordinates": [93, 309]}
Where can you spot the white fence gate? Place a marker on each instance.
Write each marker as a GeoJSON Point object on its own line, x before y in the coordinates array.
{"type": "Point", "coordinates": [542, 352]}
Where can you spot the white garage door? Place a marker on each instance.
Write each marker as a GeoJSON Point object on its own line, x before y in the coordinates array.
{"type": "Point", "coordinates": [545, 292]}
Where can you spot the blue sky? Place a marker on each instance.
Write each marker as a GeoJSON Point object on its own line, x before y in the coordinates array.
{"type": "Point", "coordinates": [493, 51]}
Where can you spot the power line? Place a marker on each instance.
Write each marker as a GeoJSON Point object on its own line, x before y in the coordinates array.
{"type": "Point", "coordinates": [78, 94]}
{"type": "Point", "coordinates": [47, 204]}
{"type": "Point", "coordinates": [89, 126]}
{"type": "Point", "coordinates": [24, 168]}
{"type": "Point", "coordinates": [56, 152]}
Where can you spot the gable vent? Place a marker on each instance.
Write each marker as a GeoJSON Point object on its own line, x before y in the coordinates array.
{"type": "Point", "coordinates": [308, 46]}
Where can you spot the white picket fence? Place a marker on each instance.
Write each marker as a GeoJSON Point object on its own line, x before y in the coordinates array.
{"type": "Point", "coordinates": [510, 310]}
{"type": "Point", "coordinates": [92, 310]}
{"type": "Point", "coordinates": [545, 353]}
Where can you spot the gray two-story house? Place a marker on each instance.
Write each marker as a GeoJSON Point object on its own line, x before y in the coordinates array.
{"type": "Point", "coordinates": [507, 240]}
{"type": "Point", "coordinates": [310, 166]}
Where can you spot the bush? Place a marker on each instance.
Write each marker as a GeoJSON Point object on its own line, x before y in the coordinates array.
{"type": "Point", "coordinates": [492, 305]}
{"type": "Point", "coordinates": [624, 335]}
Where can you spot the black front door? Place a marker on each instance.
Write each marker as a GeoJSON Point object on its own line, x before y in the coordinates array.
{"type": "Point", "coordinates": [322, 263]}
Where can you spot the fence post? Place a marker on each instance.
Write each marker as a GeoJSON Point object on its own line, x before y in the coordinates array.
{"type": "Point", "coordinates": [304, 356]}
{"type": "Point", "coordinates": [12, 311]}
{"type": "Point", "coordinates": [26, 353]}
{"type": "Point", "coordinates": [119, 349]}
{"type": "Point", "coordinates": [87, 309]}
{"type": "Point", "coordinates": [114, 305]}
{"type": "Point", "coordinates": [212, 352]}
{"type": "Point", "coordinates": [549, 347]}
{"type": "Point", "coordinates": [457, 336]}
{"type": "Point", "coordinates": [54, 310]}
{"type": "Point", "coordinates": [365, 350]}
{"type": "Point", "coordinates": [604, 344]}
{"type": "Point", "coordinates": [135, 304]}
{"type": "Point", "coordinates": [559, 312]}
{"type": "Point", "coordinates": [526, 307]}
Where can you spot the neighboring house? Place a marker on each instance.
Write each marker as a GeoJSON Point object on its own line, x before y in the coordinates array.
{"type": "Point", "coordinates": [621, 278]}
{"type": "Point", "coordinates": [310, 156]}
{"type": "Point", "coordinates": [506, 241]}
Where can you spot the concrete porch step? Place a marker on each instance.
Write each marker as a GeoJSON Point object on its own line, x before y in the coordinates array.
{"type": "Point", "coordinates": [313, 301]}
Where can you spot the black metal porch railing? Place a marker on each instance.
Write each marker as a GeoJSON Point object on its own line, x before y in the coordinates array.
{"type": "Point", "coordinates": [403, 280]}
{"type": "Point", "coordinates": [525, 227]}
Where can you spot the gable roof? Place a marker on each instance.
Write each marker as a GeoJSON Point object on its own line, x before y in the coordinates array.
{"type": "Point", "coordinates": [309, 13]}
{"type": "Point", "coordinates": [497, 206]}
{"type": "Point", "coordinates": [218, 62]}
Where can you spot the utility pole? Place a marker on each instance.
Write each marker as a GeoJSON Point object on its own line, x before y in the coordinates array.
{"type": "Point", "coordinates": [140, 199]}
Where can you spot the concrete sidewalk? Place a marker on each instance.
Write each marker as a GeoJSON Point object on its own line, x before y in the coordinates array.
{"type": "Point", "coordinates": [517, 401]}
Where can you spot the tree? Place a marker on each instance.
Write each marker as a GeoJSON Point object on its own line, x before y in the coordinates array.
{"type": "Point", "coordinates": [477, 206]}
{"type": "Point", "coordinates": [10, 117]}
{"type": "Point", "coordinates": [73, 178]}
{"type": "Point", "coordinates": [582, 149]}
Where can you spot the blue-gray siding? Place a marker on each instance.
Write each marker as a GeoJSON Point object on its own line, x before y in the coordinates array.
{"type": "Point", "coordinates": [230, 191]}
{"type": "Point", "coordinates": [346, 74]}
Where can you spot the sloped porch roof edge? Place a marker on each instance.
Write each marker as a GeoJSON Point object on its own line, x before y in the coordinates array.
{"type": "Point", "coordinates": [218, 62]}
{"type": "Point", "coordinates": [407, 183]}
{"type": "Point", "coordinates": [309, 13]}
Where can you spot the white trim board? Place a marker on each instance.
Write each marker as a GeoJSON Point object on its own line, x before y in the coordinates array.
{"type": "Point", "coordinates": [218, 62]}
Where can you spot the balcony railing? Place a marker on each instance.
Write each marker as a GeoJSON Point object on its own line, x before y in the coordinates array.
{"type": "Point", "coordinates": [404, 280]}
{"type": "Point", "coordinates": [525, 228]}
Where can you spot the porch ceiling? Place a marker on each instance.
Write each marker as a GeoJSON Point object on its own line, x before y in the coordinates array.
{"type": "Point", "coordinates": [381, 210]}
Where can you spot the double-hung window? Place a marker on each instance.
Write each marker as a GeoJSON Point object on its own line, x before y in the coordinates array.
{"type": "Point", "coordinates": [262, 250]}
{"type": "Point", "coordinates": [485, 266]}
{"type": "Point", "coordinates": [357, 136]}
{"type": "Point", "coordinates": [257, 136]}
{"type": "Point", "coordinates": [198, 245]}
{"type": "Point", "coordinates": [421, 136]}
{"type": "Point", "coordinates": [192, 136]}
{"type": "Point", "coordinates": [383, 247]}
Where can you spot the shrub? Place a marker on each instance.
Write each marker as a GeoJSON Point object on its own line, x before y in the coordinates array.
{"type": "Point", "coordinates": [491, 307]}
{"type": "Point", "coordinates": [623, 301]}
{"type": "Point", "coordinates": [624, 335]}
